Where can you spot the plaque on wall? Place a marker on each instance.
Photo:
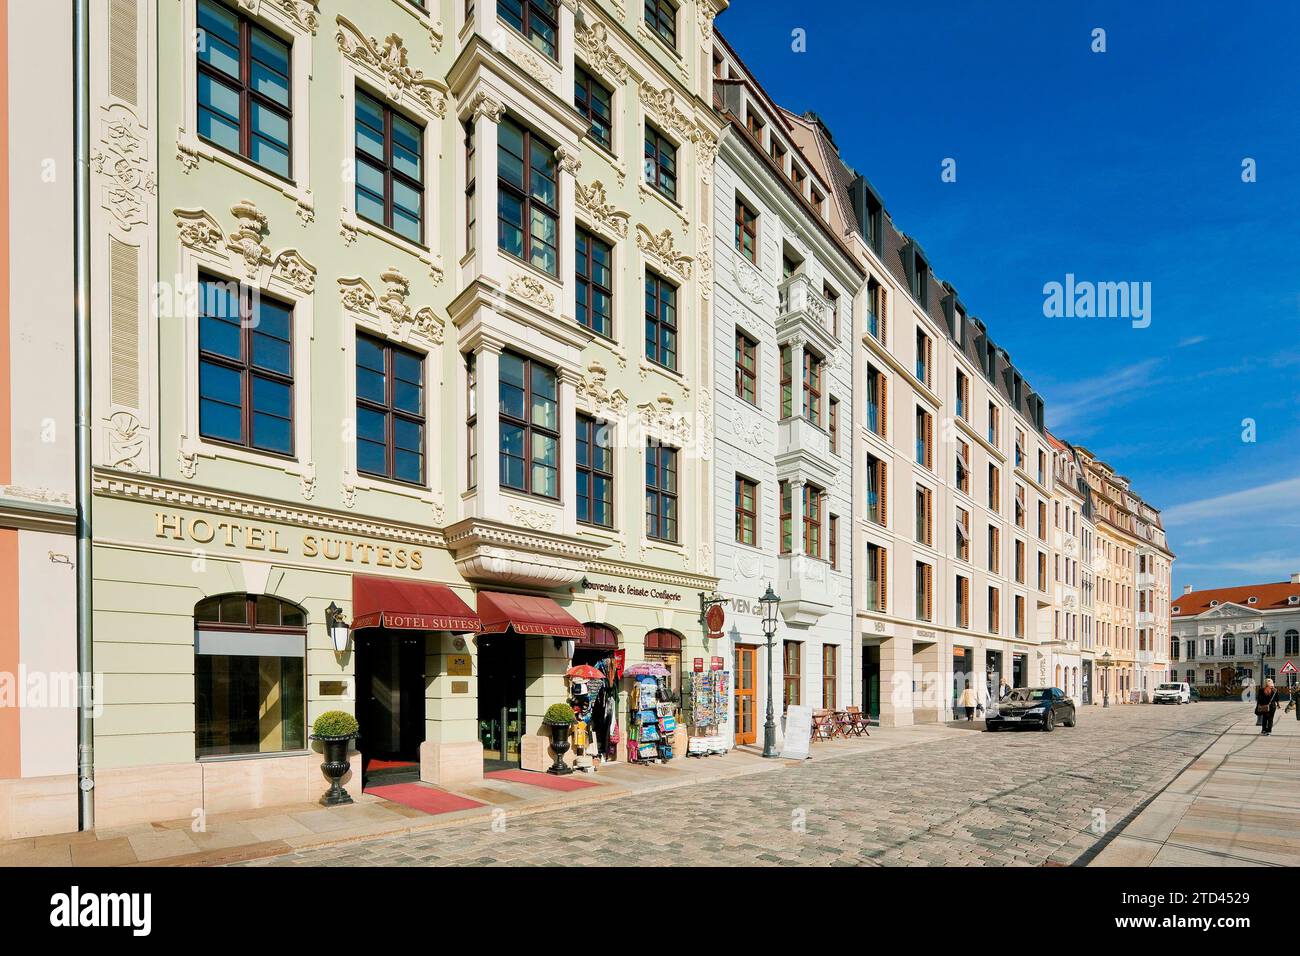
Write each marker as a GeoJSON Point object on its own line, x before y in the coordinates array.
{"type": "Point", "coordinates": [460, 687]}
{"type": "Point", "coordinates": [333, 688]}
{"type": "Point", "coordinates": [459, 665]}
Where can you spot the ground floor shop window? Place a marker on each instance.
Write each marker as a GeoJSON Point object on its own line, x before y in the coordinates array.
{"type": "Point", "coordinates": [665, 647]}
{"type": "Point", "coordinates": [249, 676]}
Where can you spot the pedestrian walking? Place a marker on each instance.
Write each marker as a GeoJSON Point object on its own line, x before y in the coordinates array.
{"type": "Point", "coordinates": [968, 701]}
{"type": "Point", "coordinates": [1266, 706]}
{"type": "Point", "coordinates": [1003, 689]}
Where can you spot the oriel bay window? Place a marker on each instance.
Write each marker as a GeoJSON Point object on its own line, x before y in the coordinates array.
{"type": "Point", "coordinates": [527, 197]}
{"type": "Point", "coordinates": [390, 411]}
{"type": "Point", "coordinates": [595, 473]}
{"type": "Point", "coordinates": [787, 382]}
{"type": "Point", "coordinates": [812, 520]}
{"type": "Point", "coordinates": [660, 321]}
{"type": "Point", "coordinates": [593, 263]}
{"type": "Point", "coordinates": [244, 103]}
{"type": "Point", "coordinates": [249, 676]}
{"type": "Point", "coordinates": [813, 367]}
{"type": "Point", "coordinates": [245, 367]}
{"type": "Point", "coordinates": [389, 170]}
{"type": "Point", "coordinates": [535, 19]}
{"type": "Point", "coordinates": [530, 426]}
{"type": "Point", "coordinates": [594, 101]}
{"type": "Point", "coordinates": [785, 505]}
{"type": "Point", "coordinates": [660, 162]}
{"type": "Point", "coordinates": [661, 492]}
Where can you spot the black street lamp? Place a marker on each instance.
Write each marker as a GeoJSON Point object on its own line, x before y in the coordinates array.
{"type": "Point", "coordinates": [769, 603]}
{"type": "Point", "coordinates": [1263, 638]}
{"type": "Point", "coordinates": [1106, 665]}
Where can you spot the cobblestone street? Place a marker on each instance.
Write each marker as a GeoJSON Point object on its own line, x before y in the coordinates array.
{"type": "Point", "coordinates": [1025, 798]}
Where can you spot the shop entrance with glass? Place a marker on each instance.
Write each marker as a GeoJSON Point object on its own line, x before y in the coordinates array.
{"type": "Point", "coordinates": [1019, 671]}
{"type": "Point", "coordinates": [501, 699]}
{"type": "Point", "coordinates": [745, 681]}
{"type": "Point", "coordinates": [992, 673]}
{"type": "Point", "coordinates": [390, 702]}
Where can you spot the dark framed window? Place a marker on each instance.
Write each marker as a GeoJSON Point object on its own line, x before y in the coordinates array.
{"type": "Point", "coordinates": [660, 321]}
{"type": "Point", "coordinates": [390, 168]}
{"type": "Point", "coordinates": [250, 676]}
{"type": "Point", "coordinates": [661, 492]}
{"type": "Point", "coordinates": [830, 655]}
{"type": "Point", "coordinates": [812, 520]}
{"type": "Point", "coordinates": [746, 511]}
{"type": "Point", "coordinates": [471, 216]}
{"type": "Point", "coordinates": [660, 162]}
{"type": "Point", "coordinates": [661, 17]}
{"type": "Point", "coordinates": [594, 265]}
{"type": "Point", "coordinates": [812, 387]}
{"type": "Point", "coordinates": [833, 535]}
{"type": "Point", "coordinates": [746, 368]}
{"type": "Point", "coordinates": [530, 426]}
{"type": "Point", "coordinates": [471, 420]}
{"type": "Point", "coordinates": [787, 382]}
{"type": "Point", "coordinates": [594, 101]}
{"type": "Point", "coordinates": [792, 653]}
{"type": "Point", "coordinates": [746, 231]}
{"type": "Point", "coordinates": [390, 410]}
{"type": "Point", "coordinates": [595, 473]}
{"type": "Point", "coordinates": [245, 367]}
{"type": "Point", "coordinates": [833, 423]}
{"type": "Point", "coordinates": [785, 509]}
{"type": "Point", "coordinates": [528, 218]}
{"type": "Point", "coordinates": [535, 19]}
{"type": "Point", "coordinates": [244, 92]}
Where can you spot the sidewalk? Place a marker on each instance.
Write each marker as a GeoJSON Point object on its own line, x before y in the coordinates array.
{"type": "Point", "coordinates": [253, 834]}
{"type": "Point", "coordinates": [1238, 804]}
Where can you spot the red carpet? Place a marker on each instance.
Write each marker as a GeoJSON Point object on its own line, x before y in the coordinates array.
{"type": "Point", "coordinates": [421, 796]}
{"type": "Point", "coordinates": [378, 764]}
{"type": "Point", "coordinates": [548, 780]}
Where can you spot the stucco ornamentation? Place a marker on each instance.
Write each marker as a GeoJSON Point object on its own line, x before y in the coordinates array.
{"type": "Point", "coordinates": [188, 460]}
{"type": "Point", "coordinates": [291, 267]}
{"type": "Point", "coordinates": [750, 283]}
{"type": "Point", "coordinates": [533, 520]}
{"type": "Point", "coordinates": [303, 14]}
{"type": "Point", "coordinates": [594, 43]}
{"type": "Point", "coordinates": [484, 105]}
{"type": "Point", "coordinates": [122, 161]}
{"type": "Point", "coordinates": [604, 214]}
{"type": "Point", "coordinates": [389, 59]}
{"type": "Point", "coordinates": [307, 481]}
{"type": "Point", "coordinates": [533, 290]}
{"type": "Point", "coordinates": [198, 230]}
{"type": "Point", "coordinates": [569, 161]}
{"type": "Point", "coordinates": [659, 419]}
{"type": "Point", "coordinates": [662, 248]}
{"type": "Point", "coordinates": [247, 241]}
{"type": "Point", "coordinates": [662, 106]}
{"type": "Point", "coordinates": [125, 443]}
{"type": "Point", "coordinates": [706, 262]}
{"type": "Point", "coordinates": [389, 313]}
{"type": "Point", "coordinates": [605, 403]}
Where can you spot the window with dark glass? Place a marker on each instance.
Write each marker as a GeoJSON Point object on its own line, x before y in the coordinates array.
{"type": "Point", "coordinates": [833, 423]}
{"type": "Point", "coordinates": [244, 103]}
{"type": "Point", "coordinates": [785, 507]}
{"type": "Point", "coordinates": [661, 492]}
{"type": "Point", "coordinates": [746, 368]}
{"type": "Point", "coordinates": [660, 320]}
{"type": "Point", "coordinates": [471, 216]}
{"type": "Point", "coordinates": [787, 382]}
{"type": "Point", "coordinates": [245, 367]}
{"type": "Point", "coordinates": [812, 520]}
{"type": "Point", "coordinates": [390, 170]}
{"type": "Point", "coordinates": [528, 219]}
{"type": "Point", "coordinates": [660, 162]}
{"type": "Point", "coordinates": [793, 680]}
{"type": "Point", "coordinates": [813, 366]}
{"type": "Point", "coordinates": [830, 698]}
{"type": "Point", "coordinates": [594, 265]}
{"type": "Point", "coordinates": [746, 511]}
{"type": "Point", "coordinates": [595, 473]}
{"type": "Point", "coordinates": [594, 101]}
{"type": "Point", "coordinates": [535, 19]}
{"type": "Point", "coordinates": [661, 17]}
{"type": "Point", "coordinates": [746, 231]}
{"type": "Point", "coordinates": [390, 410]}
{"type": "Point", "coordinates": [530, 426]}
{"type": "Point", "coordinates": [833, 540]}
{"type": "Point", "coordinates": [471, 420]}
{"type": "Point", "coordinates": [250, 686]}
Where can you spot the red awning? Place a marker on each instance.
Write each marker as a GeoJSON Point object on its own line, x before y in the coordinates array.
{"type": "Point", "coordinates": [409, 606]}
{"type": "Point", "coordinates": [526, 614]}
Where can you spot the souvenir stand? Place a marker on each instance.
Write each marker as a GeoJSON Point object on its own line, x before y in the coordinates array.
{"type": "Point", "coordinates": [651, 722]}
{"type": "Point", "coordinates": [707, 696]}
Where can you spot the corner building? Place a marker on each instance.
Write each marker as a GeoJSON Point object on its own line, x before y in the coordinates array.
{"type": "Point", "coordinates": [374, 330]}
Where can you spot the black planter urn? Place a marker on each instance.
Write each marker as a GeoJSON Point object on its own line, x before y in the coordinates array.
{"type": "Point", "coordinates": [560, 744]}
{"type": "Point", "coordinates": [335, 766]}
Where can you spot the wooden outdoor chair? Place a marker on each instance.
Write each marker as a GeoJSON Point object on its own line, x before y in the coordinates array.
{"type": "Point", "coordinates": [823, 725]}
{"type": "Point", "coordinates": [857, 724]}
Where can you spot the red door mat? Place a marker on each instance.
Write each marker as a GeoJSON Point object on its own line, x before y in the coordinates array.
{"type": "Point", "coordinates": [548, 780]}
{"type": "Point", "coordinates": [378, 764]}
{"type": "Point", "coordinates": [421, 796]}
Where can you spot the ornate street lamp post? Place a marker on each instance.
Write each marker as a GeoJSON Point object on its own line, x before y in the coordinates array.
{"type": "Point", "coordinates": [1106, 665]}
{"type": "Point", "coordinates": [769, 603]}
{"type": "Point", "coordinates": [1264, 637]}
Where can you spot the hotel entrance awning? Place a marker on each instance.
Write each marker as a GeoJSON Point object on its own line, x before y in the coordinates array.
{"type": "Point", "coordinates": [526, 614]}
{"type": "Point", "coordinates": [409, 606]}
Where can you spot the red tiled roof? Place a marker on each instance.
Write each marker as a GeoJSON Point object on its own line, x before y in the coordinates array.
{"type": "Point", "coordinates": [1269, 597]}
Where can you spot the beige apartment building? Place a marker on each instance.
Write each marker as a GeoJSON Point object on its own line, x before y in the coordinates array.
{"type": "Point", "coordinates": [1072, 648]}
{"type": "Point", "coordinates": [1133, 565]}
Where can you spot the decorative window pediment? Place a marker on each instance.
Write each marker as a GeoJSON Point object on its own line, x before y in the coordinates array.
{"type": "Point", "coordinates": [388, 313]}
{"type": "Point", "coordinates": [663, 250]}
{"type": "Point", "coordinates": [386, 64]}
{"type": "Point", "coordinates": [603, 215]}
{"type": "Point", "coordinates": [244, 249]}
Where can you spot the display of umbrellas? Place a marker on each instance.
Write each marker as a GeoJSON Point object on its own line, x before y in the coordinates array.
{"type": "Point", "coordinates": [646, 670]}
{"type": "Point", "coordinates": [584, 672]}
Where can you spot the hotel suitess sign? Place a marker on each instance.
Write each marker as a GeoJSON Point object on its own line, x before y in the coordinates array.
{"type": "Point", "coordinates": [248, 536]}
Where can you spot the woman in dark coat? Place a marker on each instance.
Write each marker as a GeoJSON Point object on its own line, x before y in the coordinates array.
{"type": "Point", "coordinates": [1266, 706]}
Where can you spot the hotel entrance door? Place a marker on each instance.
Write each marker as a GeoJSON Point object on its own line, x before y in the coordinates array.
{"type": "Point", "coordinates": [501, 699]}
{"type": "Point", "coordinates": [390, 699]}
{"type": "Point", "coordinates": [744, 682]}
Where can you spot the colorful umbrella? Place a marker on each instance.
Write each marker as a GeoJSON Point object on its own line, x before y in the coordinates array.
{"type": "Point", "coordinates": [584, 672]}
{"type": "Point", "coordinates": [646, 670]}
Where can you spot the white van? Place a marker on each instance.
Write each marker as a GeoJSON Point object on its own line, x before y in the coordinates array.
{"type": "Point", "coordinates": [1173, 693]}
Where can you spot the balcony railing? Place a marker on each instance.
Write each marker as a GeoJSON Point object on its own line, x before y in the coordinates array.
{"type": "Point", "coordinates": [798, 298]}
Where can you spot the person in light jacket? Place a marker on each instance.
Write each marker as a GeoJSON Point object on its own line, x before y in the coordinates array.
{"type": "Point", "coordinates": [968, 701]}
{"type": "Point", "coordinates": [1266, 706]}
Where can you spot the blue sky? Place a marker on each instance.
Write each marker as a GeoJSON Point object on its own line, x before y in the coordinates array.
{"type": "Point", "coordinates": [1117, 166]}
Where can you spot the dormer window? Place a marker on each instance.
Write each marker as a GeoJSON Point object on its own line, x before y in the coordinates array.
{"type": "Point", "coordinates": [1252, 600]}
{"type": "Point", "coordinates": [1293, 600]}
{"type": "Point", "coordinates": [754, 123]}
{"type": "Point", "coordinates": [1214, 604]}
{"type": "Point", "coordinates": [1175, 610]}
{"type": "Point", "coordinates": [919, 279]}
{"type": "Point", "coordinates": [798, 177]}
{"type": "Point", "coordinates": [778, 153]}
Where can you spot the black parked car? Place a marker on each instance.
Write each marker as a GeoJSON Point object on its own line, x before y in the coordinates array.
{"type": "Point", "coordinates": [1040, 707]}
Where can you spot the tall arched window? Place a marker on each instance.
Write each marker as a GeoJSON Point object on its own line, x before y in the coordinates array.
{"type": "Point", "coordinates": [665, 646]}
{"type": "Point", "coordinates": [250, 676]}
{"type": "Point", "coordinates": [1291, 642]}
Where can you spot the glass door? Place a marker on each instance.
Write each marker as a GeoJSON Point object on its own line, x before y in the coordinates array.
{"type": "Point", "coordinates": [744, 683]}
{"type": "Point", "coordinates": [501, 699]}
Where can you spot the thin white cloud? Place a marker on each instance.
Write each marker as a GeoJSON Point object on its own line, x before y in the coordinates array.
{"type": "Point", "coordinates": [1192, 340]}
{"type": "Point", "coordinates": [1087, 399]}
{"type": "Point", "coordinates": [1277, 499]}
